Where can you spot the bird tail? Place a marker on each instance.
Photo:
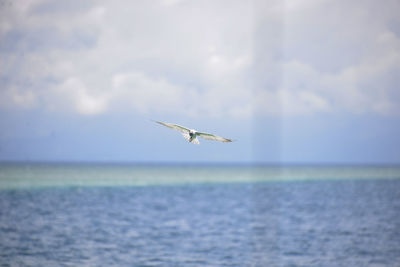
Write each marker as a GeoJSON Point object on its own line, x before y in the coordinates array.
{"type": "Point", "coordinates": [193, 141]}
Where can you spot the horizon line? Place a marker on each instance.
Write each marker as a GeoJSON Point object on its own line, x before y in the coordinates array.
{"type": "Point", "coordinates": [203, 163]}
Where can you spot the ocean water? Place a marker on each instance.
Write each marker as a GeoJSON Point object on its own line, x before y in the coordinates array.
{"type": "Point", "coordinates": [149, 215]}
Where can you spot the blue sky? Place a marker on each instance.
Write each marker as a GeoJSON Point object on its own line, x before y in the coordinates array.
{"type": "Point", "coordinates": [312, 82]}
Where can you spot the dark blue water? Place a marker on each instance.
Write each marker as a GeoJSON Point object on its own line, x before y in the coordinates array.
{"type": "Point", "coordinates": [303, 223]}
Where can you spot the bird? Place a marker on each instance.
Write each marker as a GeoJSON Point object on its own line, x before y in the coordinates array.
{"type": "Point", "coordinates": [191, 135]}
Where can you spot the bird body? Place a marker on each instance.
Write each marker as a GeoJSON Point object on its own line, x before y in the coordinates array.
{"type": "Point", "coordinates": [191, 135]}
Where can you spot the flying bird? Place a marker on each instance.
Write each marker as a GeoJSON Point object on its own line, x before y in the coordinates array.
{"type": "Point", "coordinates": [191, 135]}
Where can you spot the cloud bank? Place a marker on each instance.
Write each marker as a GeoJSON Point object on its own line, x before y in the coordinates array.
{"type": "Point", "coordinates": [201, 58]}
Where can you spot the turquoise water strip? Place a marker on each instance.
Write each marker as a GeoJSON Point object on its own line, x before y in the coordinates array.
{"type": "Point", "coordinates": [21, 175]}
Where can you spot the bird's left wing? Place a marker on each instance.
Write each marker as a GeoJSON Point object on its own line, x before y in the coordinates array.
{"type": "Point", "coordinates": [213, 137]}
{"type": "Point", "coordinates": [174, 126]}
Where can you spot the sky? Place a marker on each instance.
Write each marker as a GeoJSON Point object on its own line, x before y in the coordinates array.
{"type": "Point", "coordinates": [293, 82]}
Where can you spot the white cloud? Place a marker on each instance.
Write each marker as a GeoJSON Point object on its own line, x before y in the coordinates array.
{"type": "Point", "coordinates": [149, 95]}
{"type": "Point", "coordinates": [208, 58]}
{"type": "Point", "coordinates": [12, 97]}
{"type": "Point", "coordinates": [75, 94]}
{"type": "Point", "coordinates": [338, 59]}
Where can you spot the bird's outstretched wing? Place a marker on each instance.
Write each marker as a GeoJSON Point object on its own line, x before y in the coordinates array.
{"type": "Point", "coordinates": [174, 126]}
{"type": "Point", "coordinates": [213, 137]}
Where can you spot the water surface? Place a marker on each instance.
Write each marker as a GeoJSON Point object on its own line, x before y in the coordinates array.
{"type": "Point", "coordinates": [124, 215]}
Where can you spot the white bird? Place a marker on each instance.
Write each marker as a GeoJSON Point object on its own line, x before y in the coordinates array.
{"type": "Point", "coordinates": [191, 135]}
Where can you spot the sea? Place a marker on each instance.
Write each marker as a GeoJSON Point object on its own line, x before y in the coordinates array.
{"type": "Point", "coordinates": [109, 214]}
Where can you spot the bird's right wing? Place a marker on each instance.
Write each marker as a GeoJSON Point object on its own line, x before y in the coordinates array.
{"type": "Point", "coordinates": [214, 137]}
{"type": "Point", "coordinates": [174, 126]}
